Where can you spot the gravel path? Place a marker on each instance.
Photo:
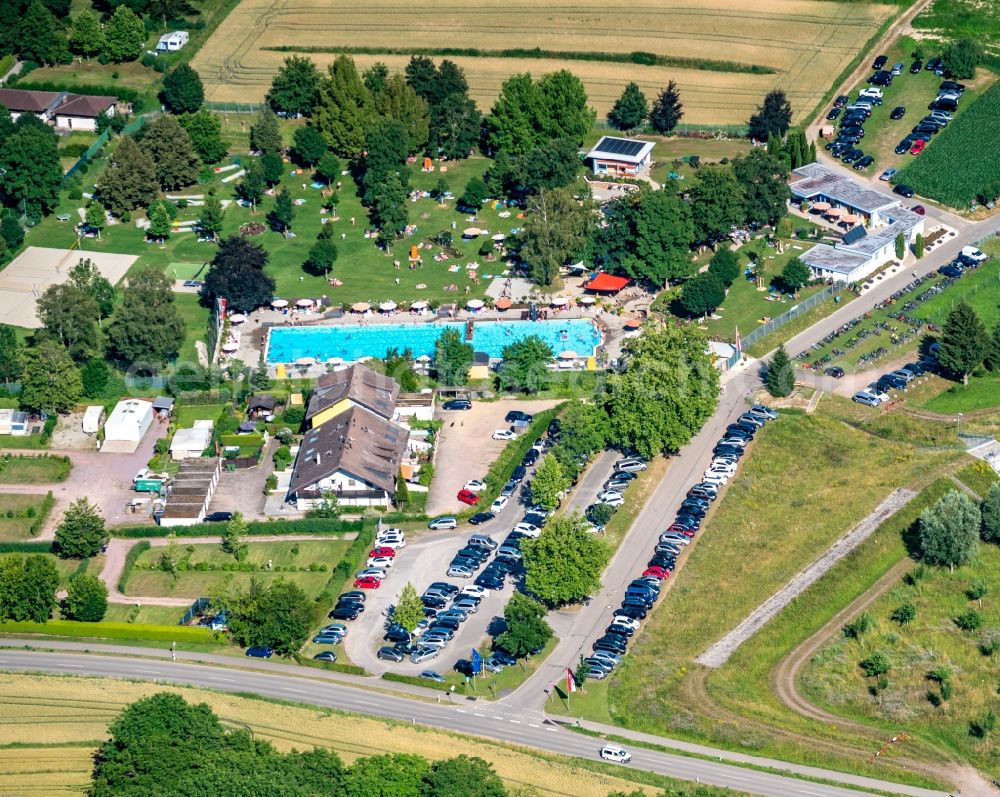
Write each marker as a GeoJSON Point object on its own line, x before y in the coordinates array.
{"type": "Point", "coordinates": [719, 653]}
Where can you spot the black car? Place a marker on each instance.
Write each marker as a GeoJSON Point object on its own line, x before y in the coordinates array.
{"type": "Point", "coordinates": [621, 630]}
{"type": "Point", "coordinates": [390, 654]}
{"type": "Point", "coordinates": [535, 519]}
{"type": "Point", "coordinates": [457, 404]}
{"type": "Point", "coordinates": [903, 190]}
{"type": "Point", "coordinates": [692, 509]}
{"type": "Point", "coordinates": [397, 634]}
{"type": "Point", "coordinates": [666, 561]}
{"type": "Point", "coordinates": [951, 270]}
{"type": "Point", "coordinates": [858, 155]}
{"type": "Point", "coordinates": [554, 426]}
{"type": "Point", "coordinates": [951, 85]}
{"type": "Point", "coordinates": [614, 645]}
{"type": "Point", "coordinates": [887, 381]}
{"type": "Point", "coordinates": [517, 415]}
{"type": "Point", "coordinates": [489, 581]}
{"type": "Point", "coordinates": [926, 127]}
{"type": "Point", "coordinates": [841, 101]}
{"type": "Point", "coordinates": [881, 79]}
{"type": "Point", "coordinates": [635, 612]}
{"type": "Point", "coordinates": [932, 64]}
{"type": "Point", "coordinates": [519, 473]}
{"type": "Point", "coordinates": [355, 596]}
{"type": "Point", "coordinates": [903, 147]}
{"type": "Point", "coordinates": [348, 611]}
{"type": "Point", "coordinates": [474, 552]}
{"type": "Point", "coordinates": [943, 105]}
{"type": "Point", "coordinates": [834, 113]}
{"type": "Point", "coordinates": [260, 652]}
{"type": "Point", "coordinates": [218, 517]}
{"type": "Point", "coordinates": [481, 517]}
{"type": "Point", "coordinates": [503, 657]}
{"type": "Point", "coordinates": [835, 371]}
{"type": "Point", "coordinates": [898, 112]}
{"type": "Point", "coordinates": [864, 163]}
{"type": "Point", "coordinates": [916, 67]}
{"type": "Point", "coordinates": [433, 602]}
{"type": "Point", "coordinates": [530, 458]}
{"type": "Point", "coordinates": [880, 61]}
{"type": "Point", "coordinates": [915, 368]}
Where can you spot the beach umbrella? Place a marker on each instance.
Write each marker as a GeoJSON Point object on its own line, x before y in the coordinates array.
{"type": "Point", "coordinates": [559, 301]}
{"type": "Point", "coordinates": [421, 305]}
{"type": "Point", "coordinates": [424, 358]}
{"type": "Point", "coordinates": [237, 318]}
{"type": "Point", "coordinates": [360, 307]}
{"type": "Point", "coordinates": [499, 237]}
{"type": "Point", "coordinates": [820, 206]}
{"type": "Point", "coordinates": [475, 304]}
{"type": "Point", "coordinates": [386, 307]}
{"type": "Point", "coordinates": [230, 346]}
{"type": "Point", "coordinates": [503, 304]}
{"type": "Point", "coordinates": [633, 323]}
{"type": "Point", "coordinates": [834, 212]}
{"type": "Point", "coordinates": [306, 361]}
{"type": "Point", "coordinates": [304, 303]}
{"type": "Point", "coordinates": [335, 360]}
{"type": "Point", "coordinates": [279, 303]}
{"type": "Point", "coordinates": [569, 354]}
{"type": "Point", "coordinates": [850, 218]}
{"type": "Point", "coordinates": [471, 232]}
{"type": "Point", "coordinates": [587, 299]}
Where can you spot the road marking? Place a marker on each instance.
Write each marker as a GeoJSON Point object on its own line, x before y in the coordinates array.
{"type": "Point", "coordinates": [737, 777]}
{"type": "Point", "coordinates": [498, 718]}
{"type": "Point", "coordinates": [516, 722]}
{"type": "Point", "coordinates": [298, 691]}
{"type": "Point", "coordinates": [478, 714]}
{"type": "Point", "coordinates": [461, 711]}
{"type": "Point", "coordinates": [532, 725]}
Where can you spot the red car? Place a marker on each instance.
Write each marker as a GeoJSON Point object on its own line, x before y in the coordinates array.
{"type": "Point", "coordinates": [656, 572]}
{"type": "Point", "coordinates": [379, 550]}
{"type": "Point", "coordinates": [920, 210]}
{"type": "Point", "coordinates": [367, 583]}
{"type": "Point", "coordinates": [681, 529]}
{"type": "Point", "coordinates": [468, 497]}
{"type": "Point", "coordinates": [918, 146]}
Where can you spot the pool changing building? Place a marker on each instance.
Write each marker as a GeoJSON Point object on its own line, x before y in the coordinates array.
{"type": "Point", "coordinates": [866, 247]}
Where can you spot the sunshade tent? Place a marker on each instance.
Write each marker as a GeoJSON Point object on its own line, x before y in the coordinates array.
{"type": "Point", "coordinates": [360, 307]}
{"type": "Point", "coordinates": [279, 303]}
{"type": "Point", "coordinates": [304, 303]}
{"type": "Point", "coordinates": [474, 304]}
{"type": "Point", "coordinates": [587, 300]}
{"type": "Point", "coordinates": [503, 304]}
{"type": "Point", "coordinates": [418, 305]}
{"type": "Point", "coordinates": [237, 318]}
{"type": "Point", "coordinates": [559, 301]}
{"type": "Point", "coordinates": [471, 232]}
{"type": "Point", "coordinates": [606, 283]}
{"type": "Point", "coordinates": [386, 307]}
{"type": "Point", "coordinates": [820, 206]}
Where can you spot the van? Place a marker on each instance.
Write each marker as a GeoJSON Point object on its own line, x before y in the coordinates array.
{"type": "Point", "coordinates": [482, 541]}
{"type": "Point", "coordinates": [864, 397]}
{"type": "Point", "coordinates": [630, 465]}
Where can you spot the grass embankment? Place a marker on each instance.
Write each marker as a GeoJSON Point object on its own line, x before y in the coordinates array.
{"type": "Point", "coordinates": [955, 720]}
{"type": "Point", "coordinates": [808, 480]}
{"type": "Point", "coordinates": [978, 477]}
{"type": "Point", "coordinates": [203, 567]}
{"type": "Point", "coordinates": [57, 722]}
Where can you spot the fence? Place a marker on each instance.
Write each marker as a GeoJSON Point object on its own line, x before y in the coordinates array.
{"type": "Point", "coordinates": [966, 295]}
{"type": "Point", "coordinates": [98, 145]}
{"type": "Point", "coordinates": [234, 107]}
{"type": "Point", "coordinates": [802, 307]}
{"type": "Point", "coordinates": [197, 608]}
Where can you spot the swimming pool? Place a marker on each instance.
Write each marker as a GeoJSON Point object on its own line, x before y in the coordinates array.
{"type": "Point", "coordinates": [288, 344]}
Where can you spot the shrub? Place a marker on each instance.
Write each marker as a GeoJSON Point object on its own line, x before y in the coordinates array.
{"type": "Point", "coordinates": [989, 642]}
{"type": "Point", "coordinates": [904, 614]}
{"type": "Point", "coordinates": [131, 557]}
{"type": "Point", "coordinates": [875, 665]}
{"type": "Point", "coordinates": [969, 621]}
{"type": "Point", "coordinates": [860, 626]}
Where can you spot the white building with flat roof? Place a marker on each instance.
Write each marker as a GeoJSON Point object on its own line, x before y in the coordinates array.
{"type": "Point", "coordinates": [126, 425]}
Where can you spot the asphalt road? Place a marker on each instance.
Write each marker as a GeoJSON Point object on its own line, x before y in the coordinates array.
{"type": "Point", "coordinates": [479, 720]}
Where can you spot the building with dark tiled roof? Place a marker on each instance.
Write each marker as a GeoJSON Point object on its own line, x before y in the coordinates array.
{"type": "Point", "coordinates": [356, 386]}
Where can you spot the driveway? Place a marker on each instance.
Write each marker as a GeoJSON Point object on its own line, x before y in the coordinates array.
{"type": "Point", "coordinates": [465, 448]}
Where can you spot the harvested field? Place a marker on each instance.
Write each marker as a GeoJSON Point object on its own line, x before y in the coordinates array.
{"type": "Point", "coordinates": [56, 722]}
{"type": "Point", "coordinates": [805, 42]}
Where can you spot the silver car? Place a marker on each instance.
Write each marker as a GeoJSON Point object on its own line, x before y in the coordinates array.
{"type": "Point", "coordinates": [423, 654]}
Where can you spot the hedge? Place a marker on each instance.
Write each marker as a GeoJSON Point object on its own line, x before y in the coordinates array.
{"type": "Point", "coordinates": [136, 551]}
{"type": "Point", "coordinates": [349, 669]}
{"type": "Point", "coordinates": [153, 633]}
{"type": "Point", "coordinates": [256, 527]}
{"type": "Point", "coordinates": [410, 679]}
{"type": "Point", "coordinates": [351, 561]}
{"type": "Point", "coordinates": [108, 89]}
{"type": "Point", "coordinates": [25, 547]}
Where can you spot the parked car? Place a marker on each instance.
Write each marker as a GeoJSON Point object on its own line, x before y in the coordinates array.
{"type": "Point", "coordinates": [888, 174]}
{"type": "Point", "coordinates": [918, 147]}
{"type": "Point", "coordinates": [897, 69]}
{"type": "Point", "coordinates": [841, 101]}
{"type": "Point", "coordinates": [517, 415]}
{"type": "Point", "coordinates": [457, 404]}
{"type": "Point", "coordinates": [630, 464]}
{"type": "Point", "coordinates": [481, 517]}
{"type": "Point", "coordinates": [833, 114]}
{"type": "Point", "coordinates": [951, 270]}
{"type": "Point", "coordinates": [367, 582]}
{"type": "Point", "coordinates": [327, 655]}
{"type": "Point", "coordinates": [218, 517]}
{"type": "Point", "coordinates": [347, 611]}
{"type": "Point", "coordinates": [916, 67]}
{"type": "Point", "coordinates": [504, 434]}
{"type": "Point", "coordinates": [499, 503]}
{"type": "Point", "coordinates": [880, 61]}
{"type": "Point", "coordinates": [459, 571]}
{"type": "Point", "coordinates": [390, 654]}
{"type": "Point", "coordinates": [422, 654]}
{"type": "Point", "coordinates": [835, 371]}
{"type": "Point", "coordinates": [260, 652]}
{"type": "Point", "coordinates": [898, 112]}
{"type": "Point", "coordinates": [444, 523]}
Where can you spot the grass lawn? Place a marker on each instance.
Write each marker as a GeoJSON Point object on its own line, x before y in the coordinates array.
{"type": "Point", "coordinates": [808, 480]}
{"type": "Point", "coordinates": [148, 615]}
{"type": "Point", "coordinates": [195, 319]}
{"type": "Point", "coordinates": [978, 476]}
{"type": "Point", "coordinates": [18, 513]}
{"type": "Point", "coordinates": [33, 470]}
{"type": "Point", "coordinates": [197, 583]}
{"type": "Point", "coordinates": [833, 679]}
{"type": "Point", "coordinates": [186, 415]}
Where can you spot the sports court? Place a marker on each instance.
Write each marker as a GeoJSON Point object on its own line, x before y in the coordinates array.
{"type": "Point", "coordinates": [37, 267]}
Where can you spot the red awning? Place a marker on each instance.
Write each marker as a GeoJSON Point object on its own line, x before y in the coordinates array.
{"type": "Point", "coordinates": [606, 283]}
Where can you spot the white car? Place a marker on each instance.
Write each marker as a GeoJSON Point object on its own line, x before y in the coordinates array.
{"type": "Point", "coordinates": [475, 591]}
{"type": "Point", "coordinates": [380, 561]}
{"type": "Point", "coordinates": [715, 479]}
{"type": "Point", "coordinates": [972, 253]}
{"type": "Point", "coordinates": [390, 542]}
{"type": "Point", "coordinates": [474, 485]}
{"type": "Point", "coordinates": [612, 752]}
{"type": "Point", "coordinates": [504, 434]}
{"type": "Point", "coordinates": [499, 503]}
{"type": "Point", "coordinates": [371, 572]}
{"type": "Point", "coordinates": [527, 529]}
{"type": "Point", "coordinates": [611, 498]}
{"type": "Point", "coordinates": [628, 622]}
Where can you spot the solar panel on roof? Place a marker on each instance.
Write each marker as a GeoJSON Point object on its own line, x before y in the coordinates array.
{"type": "Point", "coordinates": [854, 234]}
{"type": "Point", "coordinates": [620, 146]}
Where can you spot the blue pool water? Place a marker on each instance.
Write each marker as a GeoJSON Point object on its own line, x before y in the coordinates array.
{"type": "Point", "coordinates": [288, 344]}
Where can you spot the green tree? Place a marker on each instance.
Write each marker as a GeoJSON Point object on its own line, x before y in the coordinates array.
{"type": "Point", "coordinates": [900, 246]}
{"type": "Point", "coordinates": [95, 217]}
{"type": "Point", "coordinates": [565, 111]}
{"type": "Point", "coordinates": [183, 91]}
{"type": "Point", "coordinates": [205, 130]}
{"type": "Point", "coordinates": [86, 599]}
{"type": "Point", "coordinates": [667, 110]}
{"type": "Point", "coordinates": [774, 115]}
{"type": "Point", "coordinates": [27, 588]}
{"type": "Point", "coordinates": [582, 671]}
{"type": "Point", "coordinates": [261, 378]}
{"type": "Point", "coordinates": [524, 367]}
{"type": "Point", "coordinates": [918, 246]}
{"type": "Point", "coordinates": [328, 168]}
{"type": "Point", "coordinates": [463, 776]}
{"type": "Point", "coordinates": [474, 195]}
{"type": "Point", "coordinates": [124, 35]}
{"type": "Point", "coordinates": [278, 615]}
{"type": "Point", "coordinates": [667, 391]}
{"type": "Point", "coordinates": [30, 160]}
{"type": "Point", "coordinates": [395, 774]}
{"type": "Point", "coordinates": [281, 216]}
{"type": "Point", "coordinates": [904, 614]}
{"type": "Point", "coordinates": [39, 36]}
{"type": "Point", "coordinates": [69, 315]}
{"type": "Point", "coordinates": [795, 274]}
{"type": "Point", "coordinates": [10, 354]}
{"type": "Point", "coordinates": [344, 109]}
{"type": "Point", "coordinates": [50, 382]}
{"type": "Point", "coordinates": [385, 154]}
{"type": "Point", "coordinates": [664, 232]}
{"type": "Point", "coordinates": [172, 151]}
{"type": "Point", "coordinates": [780, 379]}
{"type": "Point", "coordinates": [129, 181]}
{"type": "Point", "coordinates": [399, 365]}
{"type": "Point", "coordinates": [548, 483]}
{"type": "Point", "coordinates": [963, 342]}
{"type": "Point", "coordinates": [991, 514]}
{"type": "Point", "coordinates": [441, 189]}
{"type": "Point", "coordinates": [375, 78]}
{"type": "Point", "coordinates": [717, 203]}
{"type": "Point", "coordinates": [87, 36]}
{"type": "Point", "coordinates": [514, 123]}
{"type": "Point", "coordinates": [725, 265]}
{"type": "Point", "coordinates": [397, 100]}
{"type": "Point", "coordinates": [294, 88]}
{"type": "Point", "coordinates": [977, 591]}
{"type": "Point", "coordinates": [82, 532]}
{"type": "Point", "coordinates": [160, 225]}
{"type": "Point", "coordinates": [273, 168]}
{"type": "Point", "coordinates": [525, 627]}
{"type": "Point", "coordinates": [949, 530]}
{"type": "Point", "coordinates": [702, 294]}
{"type": "Point", "coordinates": [265, 135]}
{"type": "Point", "coordinates": [147, 328]}
{"type": "Point", "coordinates": [11, 231]}
{"type": "Point", "coordinates": [234, 536]}
{"type": "Point", "coordinates": [237, 273]}
{"type": "Point", "coordinates": [556, 231]}
{"type": "Point", "coordinates": [564, 564]}
{"type": "Point", "coordinates": [309, 144]}
{"type": "Point", "coordinates": [253, 184]}
{"type": "Point", "coordinates": [961, 57]}
{"type": "Point", "coordinates": [212, 217]}
{"type": "Point", "coordinates": [95, 376]}
{"type": "Point", "coordinates": [322, 256]}
{"type": "Point", "coordinates": [630, 109]}
{"type": "Point", "coordinates": [878, 663]}
{"type": "Point", "coordinates": [992, 358]}
{"type": "Point", "coordinates": [584, 431]}
{"type": "Point", "coordinates": [452, 358]}
{"type": "Point", "coordinates": [409, 608]}
{"type": "Point", "coordinates": [764, 180]}
{"type": "Point", "coordinates": [389, 207]}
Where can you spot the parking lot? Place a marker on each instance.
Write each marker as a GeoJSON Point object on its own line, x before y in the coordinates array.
{"type": "Point", "coordinates": [465, 448]}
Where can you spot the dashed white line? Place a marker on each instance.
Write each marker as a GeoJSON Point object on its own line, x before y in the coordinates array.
{"type": "Point", "coordinates": [532, 725]}
{"type": "Point", "coordinates": [461, 711]}
{"type": "Point", "coordinates": [551, 729]}
{"type": "Point", "coordinates": [499, 718]}
{"type": "Point", "coordinates": [77, 666]}
{"type": "Point", "coordinates": [297, 691]}
{"type": "Point", "coordinates": [516, 722]}
{"type": "Point", "coordinates": [478, 714]}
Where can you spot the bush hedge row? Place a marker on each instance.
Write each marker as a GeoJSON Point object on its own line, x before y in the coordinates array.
{"type": "Point", "coordinates": [153, 633]}
{"type": "Point", "coordinates": [410, 679]}
{"type": "Point", "coordinates": [25, 547]}
{"type": "Point", "coordinates": [257, 527]}
{"type": "Point", "coordinates": [351, 561]}
{"type": "Point", "coordinates": [349, 669]}
{"type": "Point", "coordinates": [136, 551]}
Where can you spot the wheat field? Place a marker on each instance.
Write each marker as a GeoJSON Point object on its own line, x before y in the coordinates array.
{"type": "Point", "coordinates": [807, 42]}
{"type": "Point", "coordinates": [49, 727]}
